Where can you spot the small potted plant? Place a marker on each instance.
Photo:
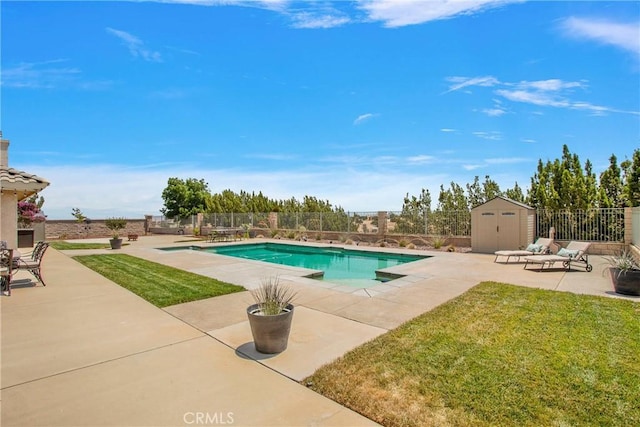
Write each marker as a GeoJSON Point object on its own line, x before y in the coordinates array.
{"type": "Point", "coordinates": [270, 317]}
{"type": "Point", "coordinates": [115, 225]}
{"type": "Point", "coordinates": [625, 273]}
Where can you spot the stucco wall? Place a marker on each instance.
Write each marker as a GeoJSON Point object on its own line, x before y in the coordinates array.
{"type": "Point", "coordinates": [9, 218]}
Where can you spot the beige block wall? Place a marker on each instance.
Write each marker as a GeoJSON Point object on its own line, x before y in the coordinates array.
{"type": "Point", "coordinates": [72, 229]}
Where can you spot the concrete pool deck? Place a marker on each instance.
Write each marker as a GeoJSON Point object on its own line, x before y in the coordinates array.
{"type": "Point", "coordinates": [84, 351]}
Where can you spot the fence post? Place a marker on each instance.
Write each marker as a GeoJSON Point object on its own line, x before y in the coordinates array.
{"type": "Point", "coordinates": [628, 225]}
{"type": "Point", "coordinates": [382, 222]}
{"type": "Point", "coordinates": [426, 222]}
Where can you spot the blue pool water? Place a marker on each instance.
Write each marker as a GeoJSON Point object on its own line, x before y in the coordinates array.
{"type": "Point", "coordinates": [344, 266]}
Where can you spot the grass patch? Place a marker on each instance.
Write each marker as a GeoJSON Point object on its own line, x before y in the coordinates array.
{"type": "Point", "coordinates": [61, 245]}
{"type": "Point", "coordinates": [159, 284]}
{"type": "Point", "coordinates": [498, 355]}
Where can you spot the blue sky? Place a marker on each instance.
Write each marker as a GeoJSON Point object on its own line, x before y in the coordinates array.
{"type": "Point", "coordinates": [358, 103]}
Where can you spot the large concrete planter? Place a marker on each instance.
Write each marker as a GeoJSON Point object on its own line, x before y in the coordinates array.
{"type": "Point", "coordinates": [626, 283]}
{"type": "Point", "coordinates": [270, 333]}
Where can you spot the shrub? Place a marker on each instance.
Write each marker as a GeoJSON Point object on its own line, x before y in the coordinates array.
{"type": "Point", "coordinates": [438, 242]}
{"type": "Point", "coordinates": [403, 243]}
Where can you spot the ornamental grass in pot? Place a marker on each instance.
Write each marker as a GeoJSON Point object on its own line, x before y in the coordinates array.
{"type": "Point", "coordinates": [625, 273]}
{"type": "Point", "coordinates": [270, 317]}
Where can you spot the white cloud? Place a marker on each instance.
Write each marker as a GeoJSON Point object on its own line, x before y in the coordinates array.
{"type": "Point", "coordinates": [422, 159]}
{"type": "Point", "coordinates": [536, 98]}
{"type": "Point", "coordinates": [493, 112]}
{"type": "Point", "coordinates": [135, 45]}
{"type": "Point", "coordinates": [625, 36]}
{"type": "Point", "coordinates": [462, 82]}
{"type": "Point", "coordinates": [46, 75]}
{"type": "Point", "coordinates": [398, 13]}
{"type": "Point", "coordinates": [447, 130]}
{"type": "Point", "coordinates": [312, 20]}
{"type": "Point", "coordinates": [471, 167]}
{"type": "Point", "coordinates": [363, 118]}
{"type": "Point", "coordinates": [544, 93]}
{"type": "Point", "coordinates": [98, 189]}
{"type": "Point", "coordinates": [492, 136]}
{"type": "Point", "coordinates": [39, 75]}
{"type": "Point", "coordinates": [550, 85]}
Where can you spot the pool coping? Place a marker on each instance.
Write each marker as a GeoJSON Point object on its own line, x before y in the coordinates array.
{"type": "Point", "coordinates": [303, 275]}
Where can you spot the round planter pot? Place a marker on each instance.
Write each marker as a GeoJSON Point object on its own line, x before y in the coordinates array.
{"type": "Point", "coordinates": [270, 333]}
{"type": "Point", "coordinates": [115, 243]}
{"type": "Point", "coordinates": [627, 283]}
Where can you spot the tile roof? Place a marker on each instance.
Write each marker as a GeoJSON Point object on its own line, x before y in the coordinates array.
{"type": "Point", "coordinates": [13, 179]}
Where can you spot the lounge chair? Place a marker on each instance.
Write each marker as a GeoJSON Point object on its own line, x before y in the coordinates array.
{"type": "Point", "coordinates": [32, 263]}
{"type": "Point", "coordinates": [542, 246]}
{"type": "Point", "coordinates": [574, 254]}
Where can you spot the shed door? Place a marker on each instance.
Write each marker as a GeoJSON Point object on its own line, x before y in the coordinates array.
{"type": "Point", "coordinates": [508, 229]}
{"type": "Point", "coordinates": [487, 236]}
{"type": "Point", "coordinates": [498, 230]}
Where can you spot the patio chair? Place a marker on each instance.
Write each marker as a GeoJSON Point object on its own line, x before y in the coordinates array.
{"type": "Point", "coordinates": [32, 264]}
{"type": "Point", "coordinates": [6, 270]}
{"type": "Point", "coordinates": [542, 246]}
{"type": "Point", "coordinates": [574, 254]}
{"type": "Point", "coordinates": [31, 254]}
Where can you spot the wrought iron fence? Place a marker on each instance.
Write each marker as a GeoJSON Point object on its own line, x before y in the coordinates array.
{"type": "Point", "coordinates": [599, 225]}
{"type": "Point", "coordinates": [595, 225]}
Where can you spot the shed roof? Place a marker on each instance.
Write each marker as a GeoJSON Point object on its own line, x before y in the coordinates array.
{"type": "Point", "coordinates": [506, 199]}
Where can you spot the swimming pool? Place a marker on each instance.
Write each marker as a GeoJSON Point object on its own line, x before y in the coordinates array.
{"type": "Point", "coordinates": [344, 266]}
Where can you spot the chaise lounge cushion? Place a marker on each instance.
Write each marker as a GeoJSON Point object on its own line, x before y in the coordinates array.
{"type": "Point", "coordinates": [568, 253]}
{"type": "Point", "coordinates": [534, 248]}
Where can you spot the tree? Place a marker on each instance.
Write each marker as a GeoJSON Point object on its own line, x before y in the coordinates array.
{"type": "Point", "coordinates": [414, 213]}
{"type": "Point", "coordinates": [515, 193]}
{"type": "Point", "coordinates": [611, 191]}
{"type": "Point", "coordinates": [183, 198]}
{"type": "Point", "coordinates": [479, 194]}
{"type": "Point", "coordinates": [632, 179]}
{"type": "Point", "coordinates": [78, 215]}
{"type": "Point", "coordinates": [563, 184]}
{"type": "Point", "coordinates": [452, 199]}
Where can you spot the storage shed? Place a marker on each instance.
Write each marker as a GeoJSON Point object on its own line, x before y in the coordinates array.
{"type": "Point", "coordinates": [502, 224]}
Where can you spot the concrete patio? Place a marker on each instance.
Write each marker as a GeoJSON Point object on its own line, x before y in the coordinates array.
{"type": "Point", "coordinates": [84, 351]}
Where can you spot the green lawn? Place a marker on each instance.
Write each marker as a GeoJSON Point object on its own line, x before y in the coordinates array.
{"type": "Point", "coordinates": [159, 284]}
{"type": "Point", "coordinates": [499, 355]}
{"type": "Point", "coordinates": [61, 245]}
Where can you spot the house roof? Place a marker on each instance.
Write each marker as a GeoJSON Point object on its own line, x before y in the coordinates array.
{"type": "Point", "coordinates": [21, 182]}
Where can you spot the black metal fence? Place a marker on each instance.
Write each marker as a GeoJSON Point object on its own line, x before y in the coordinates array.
{"type": "Point", "coordinates": [597, 225]}
{"type": "Point", "coordinates": [594, 225]}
